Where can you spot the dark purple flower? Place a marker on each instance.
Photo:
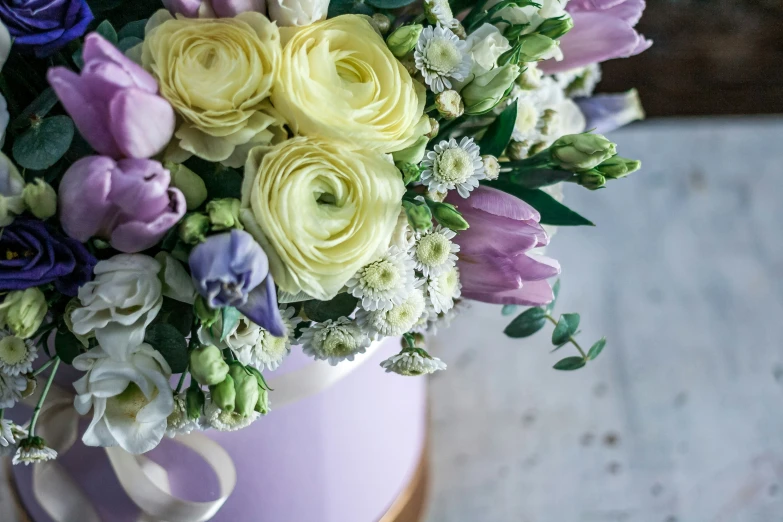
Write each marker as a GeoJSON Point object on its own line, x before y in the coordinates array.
{"type": "Point", "coordinates": [44, 26]}
{"type": "Point", "coordinates": [231, 269]}
{"type": "Point", "coordinates": [33, 253]}
{"type": "Point", "coordinates": [607, 112]}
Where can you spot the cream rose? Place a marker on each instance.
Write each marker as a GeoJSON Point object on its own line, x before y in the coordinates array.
{"type": "Point", "coordinates": [217, 74]}
{"type": "Point", "coordinates": [338, 79]}
{"type": "Point", "coordinates": [320, 209]}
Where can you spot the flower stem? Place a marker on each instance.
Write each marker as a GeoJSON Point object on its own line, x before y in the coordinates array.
{"type": "Point", "coordinates": [42, 398]}
{"type": "Point", "coordinates": [45, 365]}
{"type": "Point", "coordinates": [181, 381]}
{"type": "Point", "coordinates": [570, 338]}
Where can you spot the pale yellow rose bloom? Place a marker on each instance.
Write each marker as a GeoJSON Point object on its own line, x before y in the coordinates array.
{"type": "Point", "coordinates": [321, 210]}
{"type": "Point", "coordinates": [339, 80]}
{"type": "Point", "coordinates": [218, 75]}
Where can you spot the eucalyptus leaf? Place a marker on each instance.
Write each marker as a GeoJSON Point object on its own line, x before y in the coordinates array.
{"type": "Point", "coordinates": [107, 30]}
{"type": "Point", "coordinates": [341, 7]}
{"type": "Point", "coordinates": [221, 182]}
{"type": "Point", "coordinates": [38, 109]}
{"type": "Point", "coordinates": [527, 323]}
{"type": "Point", "coordinates": [537, 178]}
{"type": "Point", "coordinates": [552, 211]}
{"type": "Point", "coordinates": [133, 29]}
{"type": "Point", "coordinates": [230, 321]}
{"type": "Point", "coordinates": [390, 4]}
{"type": "Point", "coordinates": [566, 327]}
{"type": "Point", "coordinates": [342, 305]}
{"type": "Point", "coordinates": [66, 345]}
{"type": "Point", "coordinates": [177, 314]}
{"type": "Point", "coordinates": [569, 364]}
{"type": "Point", "coordinates": [43, 144]}
{"type": "Point", "coordinates": [555, 293]}
{"type": "Point", "coordinates": [171, 344]}
{"type": "Point", "coordinates": [126, 43]}
{"type": "Point", "coordinates": [596, 349]}
{"type": "Point", "coordinates": [498, 134]}
{"type": "Point", "coordinates": [509, 309]}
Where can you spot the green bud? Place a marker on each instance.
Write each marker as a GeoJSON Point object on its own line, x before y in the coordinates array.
{"type": "Point", "coordinates": [581, 152]}
{"type": "Point", "coordinates": [246, 387]}
{"type": "Point", "coordinates": [194, 402]}
{"type": "Point", "coordinates": [449, 104]}
{"type": "Point", "coordinates": [224, 394]}
{"type": "Point", "coordinates": [410, 172]}
{"type": "Point", "coordinates": [618, 167]}
{"type": "Point", "coordinates": [403, 39]}
{"type": "Point", "coordinates": [262, 405]}
{"type": "Point", "coordinates": [224, 213]}
{"type": "Point", "coordinates": [23, 311]}
{"type": "Point", "coordinates": [486, 91]}
{"type": "Point", "coordinates": [491, 167]}
{"type": "Point", "coordinates": [535, 47]}
{"type": "Point", "coordinates": [381, 22]}
{"type": "Point", "coordinates": [189, 183]}
{"type": "Point", "coordinates": [448, 215]}
{"type": "Point", "coordinates": [419, 215]}
{"type": "Point", "coordinates": [591, 179]}
{"type": "Point", "coordinates": [193, 229]}
{"type": "Point", "coordinates": [556, 27]}
{"type": "Point", "coordinates": [40, 198]}
{"type": "Point", "coordinates": [413, 154]}
{"type": "Point", "coordinates": [206, 314]}
{"type": "Point", "coordinates": [207, 365]}
{"type": "Point", "coordinates": [514, 31]}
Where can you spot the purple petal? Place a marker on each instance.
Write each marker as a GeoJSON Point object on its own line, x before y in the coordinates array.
{"type": "Point", "coordinates": [135, 236]}
{"type": "Point", "coordinates": [607, 112]}
{"type": "Point", "coordinates": [83, 197]}
{"type": "Point", "coordinates": [533, 293]}
{"type": "Point", "coordinates": [261, 308]}
{"type": "Point", "coordinates": [142, 123]}
{"type": "Point", "coordinates": [492, 233]}
{"type": "Point", "coordinates": [231, 8]}
{"type": "Point", "coordinates": [99, 50]}
{"type": "Point", "coordinates": [487, 273]}
{"type": "Point", "coordinates": [495, 202]}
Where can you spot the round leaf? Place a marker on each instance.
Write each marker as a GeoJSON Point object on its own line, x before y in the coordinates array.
{"type": "Point", "coordinates": [527, 323]}
{"type": "Point", "coordinates": [43, 144]}
{"type": "Point", "coordinates": [341, 306]}
{"type": "Point", "coordinates": [170, 343]}
{"type": "Point", "coordinates": [596, 349]}
{"type": "Point", "coordinates": [569, 364]}
{"type": "Point", "coordinates": [67, 346]}
{"type": "Point", "coordinates": [566, 327]}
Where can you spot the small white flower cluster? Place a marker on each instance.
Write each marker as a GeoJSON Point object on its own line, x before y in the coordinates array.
{"type": "Point", "coordinates": [452, 165]}
{"type": "Point", "coordinates": [413, 362]}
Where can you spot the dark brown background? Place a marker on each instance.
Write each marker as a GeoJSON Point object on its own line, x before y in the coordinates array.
{"type": "Point", "coordinates": [709, 57]}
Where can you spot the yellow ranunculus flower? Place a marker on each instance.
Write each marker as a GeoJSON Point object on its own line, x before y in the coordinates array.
{"type": "Point", "coordinates": [217, 74]}
{"type": "Point", "coordinates": [338, 79]}
{"type": "Point", "coordinates": [321, 210]}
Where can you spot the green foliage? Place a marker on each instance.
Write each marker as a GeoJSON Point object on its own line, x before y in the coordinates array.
{"type": "Point", "coordinates": [44, 143]}
{"type": "Point", "coordinates": [527, 323]}
{"type": "Point", "coordinates": [177, 314]}
{"type": "Point", "coordinates": [171, 344]}
{"type": "Point", "coordinates": [133, 29]}
{"type": "Point", "coordinates": [230, 321]}
{"type": "Point", "coordinates": [341, 7]}
{"type": "Point", "coordinates": [342, 305]}
{"type": "Point", "coordinates": [66, 345]}
{"type": "Point", "coordinates": [537, 178]}
{"type": "Point", "coordinates": [389, 4]}
{"type": "Point", "coordinates": [221, 182]}
{"type": "Point", "coordinates": [508, 309]}
{"type": "Point", "coordinates": [107, 30]}
{"type": "Point", "coordinates": [555, 293]}
{"type": "Point", "coordinates": [565, 328]}
{"type": "Point", "coordinates": [37, 110]}
{"type": "Point", "coordinates": [596, 349]}
{"type": "Point", "coordinates": [127, 43]}
{"type": "Point", "coordinates": [498, 134]}
{"type": "Point", "coordinates": [552, 211]}
{"type": "Point", "coordinates": [569, 364]}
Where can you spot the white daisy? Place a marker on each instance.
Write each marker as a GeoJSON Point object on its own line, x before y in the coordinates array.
{"type": "Point", "coordinates": [223, 420]}
{"type": "Point", "coordinates": [578, 83]}
{"type": "Point", "coordinates": [442, 289]}
{"type": "Point", "coordinates": [32, 451]}
{"type": "Point", "coordinates": [385, 282]}
{"type": "Point", "coordinates": [442, 58]}
{"type": "Point", "coordinates": [178, 422]}
{"type": "Point", "coordinates": [16, 354]}
{"type": "Point", "coordinates": [413, 362]}
{"type": "Point", "coordinates": [334, 341]}
{"type": "Point", "coordinates": [10, 435]}
{"type": "Point", "coordinates": [434, 252]}
{"type": "Point", "coordinates": [269, 351]}
{"type": "Point", "coordinates": [396, 321]}
{"type": "Point", "coordinates": [453, 165]}
{"type": "Point", "coordinates": [11, 389]}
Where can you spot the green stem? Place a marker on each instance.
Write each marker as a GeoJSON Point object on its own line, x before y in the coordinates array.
{"type": "Point", "coordinates": [46, 365]}
{"type": "Point", "coordinates": [181, 381]}
{"type": "Point", "coordinates": [42, 398]}
{"type": "Point", "coordinates": [570, 338]}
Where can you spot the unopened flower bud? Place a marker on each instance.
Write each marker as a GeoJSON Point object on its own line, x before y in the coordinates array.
{"type": "Point", "coordinates": [591, 179]}
{"type": "Point", "coordinates": [449, 104]}
{"type": "Point", "coordinates": [618, 167]}
{"type": "Point", "coordinates": [438, 12]}
{"type": "Point", "coordinates": [491, 167]}
{"type": "Point", "coordinates": [413, 154]}
{"type": "Point", "coordinates": [486, 91]}
{"type": "Point", "coordinates": [207, 365]}
{"type": "Point", "coordinates": [419, 215]}
{"type": "Point", "coordinates": [72, 305]}
{"type": "Point", "coordinates": [530, 78]}
{"type": "Point", "coordinates": [224, 395]}
{"type": "Point", "coordinates": [556, 27]}
{"type": "Point", "coordinates": [434, 128]}
{"type": "Point", "coordinates": [206, 314]}
{"type": "Point", "coordinates": [581, 152]}
{"type": "Point", "coordinates": [40, 198]}
{"type": "Point", "coordinates": [262, 405]}
{"type": "Point", "coordinates": [434, 195]}
{"type": "Point", "coordinates": [381, 22]}
{"type": "Point", "coordinates": [518, 150]}
{"type": "Point", "coordinates": [246, 387]}
{"type": "Point", "coordinates": [32, 384]}
{"type": "Point", "coordinates": [514, 31]}
{"type": "Point", "coordinates": [189, 183]}
{"type": "Point", "coordinates": [403, 39]}
{"type": "Point", "coordinates": [194, 402]}
{"type": "Point", "coordinates": [535, 47]}
{"type": "Point", "coordinates": [410, 172]}
{"type": "Point", "coordinates": [458, 29]}
{"type": "Point", "coordinates": [224, 213]}
{"type": "Point", "coordinates": [448, 216]}
{"type": "Point", "coordinates": [193, 229]}
{"type": "Point", "coordinates": [23, 311]}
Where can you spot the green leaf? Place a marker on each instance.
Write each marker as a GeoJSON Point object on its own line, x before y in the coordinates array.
{"type": "Point", "coordinates": [221, 182]}
{"type": "Point", "coordinates": [552, 211]}
{"type": "Point", "coordinates": [107, 30]}
{"type": "Point", "coordinates": [341, 7]}
{"type": "Point", "coordinates": [67, 345]}
{"type": "Point", "coordinates": [170, 343]}
{"type": "Point", "coordinates": [230, 320]}
{"type": "Point", "coordinates": [177, 314]}
{"type": "Point", "coordinates": [569, 364]}
{"type": "Point", "coordinates": [526, 324]}
{"type": "Point", "coordinates": [555, 293]}
{"type": "Point", "coordinates": [509, 309]}
{"type": "Point", "coordinates": [126, 43]}
{"type": "Point", "coordinates": [537, 178]}
{"type": "Point", "coordinates": [38, 109]}
{"type": "Point", "coordinates": [566, 327]}
{"type": "Point", "coordinates": [133, 30]}
{"type": "Point", "coordinates": [77, 58]}
{"type": "Point", "coordinates": [596, 349]}
{"type": "Point", "coordinates": [341, 306]}
{"type": "Point", "coordinates": [44, 143]}
{"type": "Point", "coordinates": [389, 4]}
{"type": "Point", "coordinates": [498, 134]}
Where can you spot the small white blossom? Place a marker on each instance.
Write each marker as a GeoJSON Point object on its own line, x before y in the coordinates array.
{"type": "Point", "coordinates": [223, 420]}
{"type": "Point", "coordinates": [443, 289]}
{"type": "Point", "coordinates": [385, 282]}
{"type": "Point", "coordinates": [33, 451]}
{"type": "Point", "coordinates": [580, 82]}
{"type": "Point", "coordinates": [396, 321]}
{"type": "Point", "coordinates": [413, 362]}
{"type": "Point", "coordinates": [10, 435]}
{"type": "Point", "coordinates": [335, 341]}
{"type": "Point", "coordinates": [434, 252]}
{"type": "Point", "coordinates": [442, 58]}
{"type": "Point", "coordinates": [453, 165]}
{"type": "Point", "coordinates": [11, 389]}
{"type": "Point", "coordinates": [16, 354]}
{"type": "Point", "coordinates": [178, 422]}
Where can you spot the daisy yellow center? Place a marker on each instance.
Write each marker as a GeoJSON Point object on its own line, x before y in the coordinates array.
{"type": "Point", "coordinates": [339, 342]}
{"type": "Point", "coordinates": [13, 350]}
{"type": "Point", "coordinates": [274, 347]}
{"type": "Point", "coordinates": [443, 56]}
{"type": "Point", "coordinates": [455, 165]}
{"type": "Point", "coordinates": [382, 275]}
{"type": "Point", "coordinates": [129, 403]}
{"type": "Point", "coordinates": [406, 313]}
{"type": "Point", "coordinates": [448, 281]}
{"type": "Point", "coordinates": [433, 250]}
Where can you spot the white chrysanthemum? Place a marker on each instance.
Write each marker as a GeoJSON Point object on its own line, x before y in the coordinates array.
{"type": "Point", "coordinates": [385, 282]}
{"type": "Point", "coordinates": [178, 421]}
{"type": "Point", "coordinates": [453, 165]}
{"type": "Point", "coordinates": [269, 351]}
{"type": "Point", "coordinates": [223, 420]}
{"type": "Point", "coordinates": [335, 341]}
{"type": "Point", "coordinates": [11, 389]}
{"type": "Point", "coordinates": [581, 82]}
{"type": "Point", "coordinates": [10, 435]}
{"type": "Point", "coordinates": [413, 362]}
{"type": "Point", "coordinates": [434, 252]}
{"type": "Point", "coordinates": [442, 58]}
{"type": "Point", "coordinates": [16, 354]}
{"type": "Point", "coordinates": [396, 321]}
{"type": "Point", "coordinates": [33, 451]}
{"type": "Point", "coordinates": [442, 289]}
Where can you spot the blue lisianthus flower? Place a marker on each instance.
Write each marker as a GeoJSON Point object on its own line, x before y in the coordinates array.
{"type": "Point", "coordinates": [44, 26]}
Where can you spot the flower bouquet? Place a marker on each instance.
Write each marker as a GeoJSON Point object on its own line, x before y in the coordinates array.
{"type": "Point", "coordinates": [191, 190]}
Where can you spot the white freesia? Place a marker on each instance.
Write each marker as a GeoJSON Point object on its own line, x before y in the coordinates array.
{"type": "Point", "coordinates": [177, 283]}
{"type": "Point", "coordinates": [297, 12]}
{"type": "Point", "coordinates": [11, 187]}
{"type": "Point", "coordinates": [120, 303]}
{"type": "Point", "coordinates": [486, 44]}
{"type": "Point", "coordinates": [131, 400]}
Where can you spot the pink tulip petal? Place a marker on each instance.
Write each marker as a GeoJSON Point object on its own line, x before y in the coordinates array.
{"type": "Point", "coordinates": [496, 202]}
{"type": "Point", "coordinates": [83, 197]}
{"type": "Point", "coordinates": [535, 267]}
{"type": "Point", "coordinates": [231, 8]}
{"type": "Point", "coordinates": [97, 48]}
{"type": "Point", "coordinates": [135, 236]}
{"type": "Point", "coordinates": [493, 233]}
{"type": "Point", "coordinates": [488, 274]}
{"type": "Point", "coordinates": [142, 123]}
{"type": "Point", "coordinates": [533, 293]}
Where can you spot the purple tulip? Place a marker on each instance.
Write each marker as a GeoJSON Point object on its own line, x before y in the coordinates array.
{"type": "Point", "coordinates": [114, 102]}
{"type": "Point", "coordinates": [607, 112]}
{"type": "Point", "coordinates": [128, 202]}
{"type": "Point", "coordinates": [231, 269]}
{"type": "Point", "coordinates": [209, 8]}
{"type": "Point", "coordinates": [494, 260]}
{"type": "Point", "coordinates": [44, 26]}
{"type": "Point", "coordinates": [35, 253]}
{"type": "Point", "coordinates": [603, 30]}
